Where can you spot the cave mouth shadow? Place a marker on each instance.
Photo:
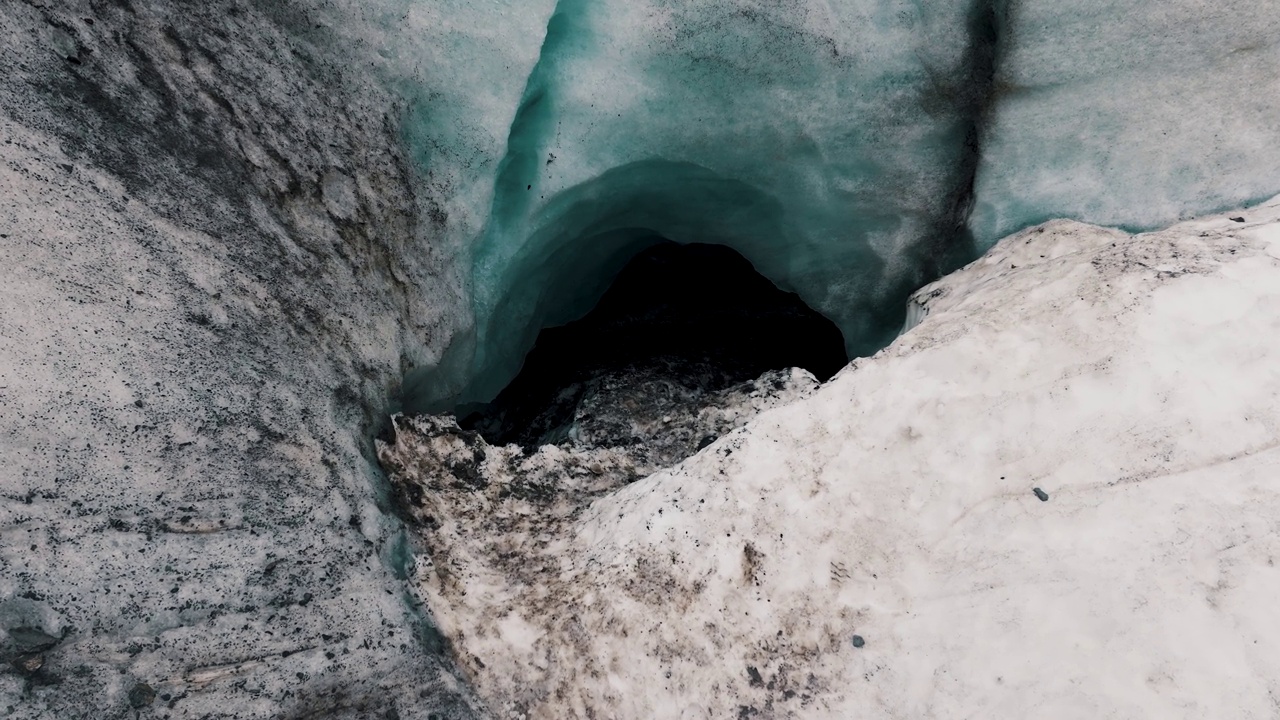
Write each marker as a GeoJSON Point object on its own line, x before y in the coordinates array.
{"type": "Point", "coordinates": [698, 315]}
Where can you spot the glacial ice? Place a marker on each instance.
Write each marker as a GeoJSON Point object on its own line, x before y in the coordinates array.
{"type": "Point", "coordinates": [852, 151]}
{"type": "Point", "coordinates": [215, 276]}
{"type": "Point", "coordinates": [1130, 113]}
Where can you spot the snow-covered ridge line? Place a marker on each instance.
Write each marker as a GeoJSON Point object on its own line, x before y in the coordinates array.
{"type": "Point", "coordinates": [1126, 380]}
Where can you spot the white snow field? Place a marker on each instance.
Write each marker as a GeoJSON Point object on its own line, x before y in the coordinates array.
{"type": "Point", "coordinates": [1133, 379]}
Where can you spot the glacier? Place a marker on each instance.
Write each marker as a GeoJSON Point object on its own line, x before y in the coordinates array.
{"type": "Point", "coordinates": [237, 235]}
{"type": "Point", "coordinates": [851, 151]}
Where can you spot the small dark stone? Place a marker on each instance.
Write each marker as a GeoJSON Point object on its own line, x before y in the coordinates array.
{"type": "Point", "coordinates": [706, 441]}
{"type": "Point", "coordinates": [1237, 219]}
{"type": "Point", "coordinates": [753, 677]}
{"type": "Point", "coordinates": [1044, 496]}
{"type": "Point", "coordinates": [858, 641]}
{"type": "Point", "coordinates": [32, 640]}
{"type": "Point", "coordinates": [141, 695]}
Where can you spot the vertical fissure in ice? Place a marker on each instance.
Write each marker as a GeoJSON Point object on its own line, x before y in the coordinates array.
{"type": "Point", "coordinates": [975, 91]}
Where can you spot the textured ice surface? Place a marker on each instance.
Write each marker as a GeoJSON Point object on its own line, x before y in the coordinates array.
{"type": "Point", "coordinates": [1130, 113]}
{"type": "Point", "coordinates": [211, 276]}
{"type": "Point", "coordinates": [645, 120]}
{"type": "Point", "coordinates": [825, 142]}
{"type": "Point", "coordinates": [838, 146]}
{"type": "Point", "coordinates": [1131, 378]}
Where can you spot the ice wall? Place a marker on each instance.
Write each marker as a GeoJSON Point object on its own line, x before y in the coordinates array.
{"type": "Point", "coordinates": [850, 150]}
{"type": "Point", "coordinates": [827, 143]}
{"type": "Point", "coordinates": [1130, 113]}
{"type": "Point", "coordinates": [823, 142]}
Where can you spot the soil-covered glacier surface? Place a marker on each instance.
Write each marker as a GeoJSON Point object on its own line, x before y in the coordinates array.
{"type": "Point", "coordinates": [1054, 496]}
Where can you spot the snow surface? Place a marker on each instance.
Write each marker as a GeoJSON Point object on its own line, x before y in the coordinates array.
{"type": "Point", "coordinates": [1131, 378]}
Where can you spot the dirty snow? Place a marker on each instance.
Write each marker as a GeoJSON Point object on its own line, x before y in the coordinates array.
{"type": "Point", "coordinates": [1131, 378]}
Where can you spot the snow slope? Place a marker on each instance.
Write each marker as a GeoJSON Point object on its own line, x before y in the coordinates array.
{"type": "Point", "coordinates": [1131, 378]}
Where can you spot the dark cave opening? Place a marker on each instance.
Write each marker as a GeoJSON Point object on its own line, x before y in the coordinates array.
{"type": "Point", "coordinates": [693, 318]}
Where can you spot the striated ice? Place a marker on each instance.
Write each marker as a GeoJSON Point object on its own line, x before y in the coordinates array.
{"type": "Point", "coordinates": [829, 144]}
{"type": "Point", "coordinates": [1131, 113]}
{"type": "Point", "coordinates": [852, 151]}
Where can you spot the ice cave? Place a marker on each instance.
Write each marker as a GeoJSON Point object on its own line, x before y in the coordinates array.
{"type": "Point", "coordinates": [639, 359]}
{"type": "Point", "coordinates": [697, 316]}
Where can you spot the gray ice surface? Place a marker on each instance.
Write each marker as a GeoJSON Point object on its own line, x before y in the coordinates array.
{"type": "Point", "coordinates": [214, 272]}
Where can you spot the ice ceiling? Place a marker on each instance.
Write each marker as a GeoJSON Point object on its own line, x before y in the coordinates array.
{"type": "Point", "coordinates": [850, 150]}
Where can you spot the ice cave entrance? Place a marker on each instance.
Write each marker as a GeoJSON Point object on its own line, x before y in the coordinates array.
{"type": "Point", "coordinates": [695, 315]}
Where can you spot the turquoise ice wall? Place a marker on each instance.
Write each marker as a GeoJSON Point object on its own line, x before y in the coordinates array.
{"type": "Point", "coordinates": [850, 150]}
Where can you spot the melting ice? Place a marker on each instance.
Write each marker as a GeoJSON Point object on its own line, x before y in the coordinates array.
{"type": "Point", "coordinates": [851, 151]}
